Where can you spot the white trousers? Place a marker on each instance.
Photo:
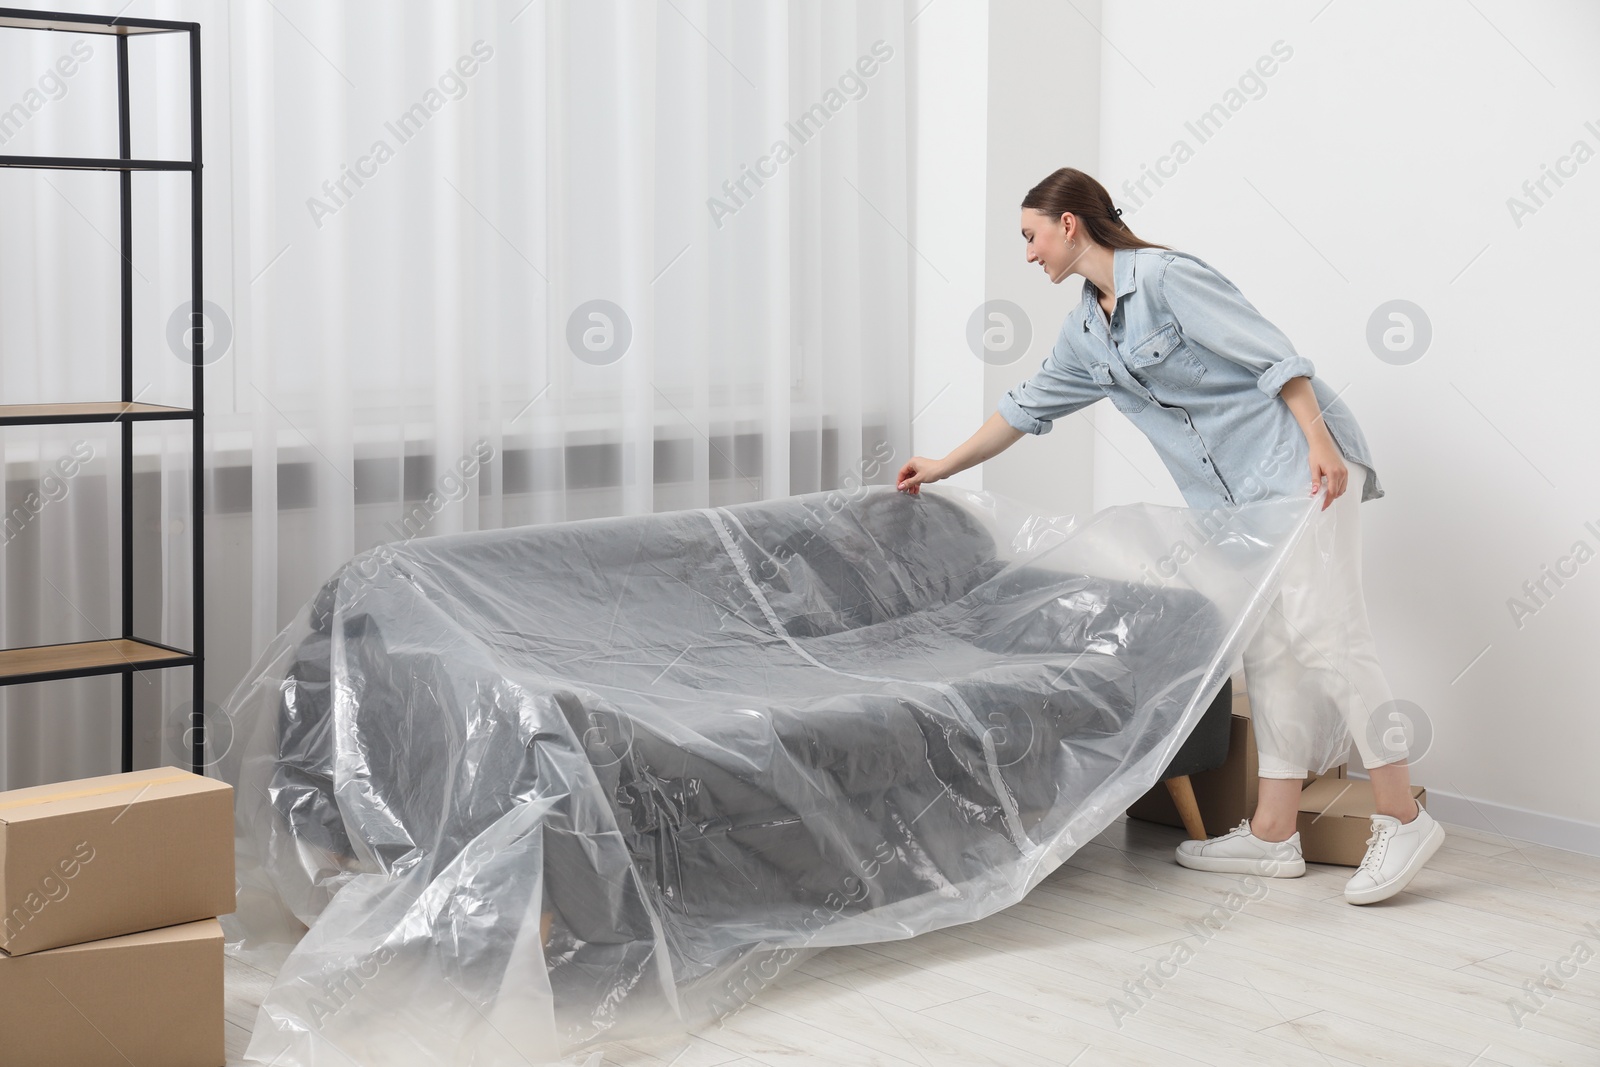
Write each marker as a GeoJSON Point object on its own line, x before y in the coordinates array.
{"type": "Point", "coordinates": [1312, 670]}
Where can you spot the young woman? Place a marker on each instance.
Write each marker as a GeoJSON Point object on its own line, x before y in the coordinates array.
{"type": "Point", "coordinates": [1237, 416]}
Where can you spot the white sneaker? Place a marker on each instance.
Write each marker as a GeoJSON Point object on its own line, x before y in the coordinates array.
{"type": "Point", "coordinates": [1396, 851]}
{"type": "Point", "coordinates": [1241, 852]}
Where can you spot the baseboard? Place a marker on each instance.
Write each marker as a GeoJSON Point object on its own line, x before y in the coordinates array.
{"type": "Point", "coordinates": [1573, 835]}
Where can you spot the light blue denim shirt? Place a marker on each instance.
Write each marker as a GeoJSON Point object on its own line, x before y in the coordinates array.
{"type": "Point", "coordinates": [1198, 369]}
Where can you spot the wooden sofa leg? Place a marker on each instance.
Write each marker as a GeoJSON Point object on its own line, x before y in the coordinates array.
{"type": "Point", "coordinates": [544, 929]}
{"type": "Point", "coordinates": [1188, 810]}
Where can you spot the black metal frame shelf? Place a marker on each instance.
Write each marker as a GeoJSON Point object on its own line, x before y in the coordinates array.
{"type": "Point", "coordinates": [127, 655]}
{"type": "Point", "coordinates": [92, 163]}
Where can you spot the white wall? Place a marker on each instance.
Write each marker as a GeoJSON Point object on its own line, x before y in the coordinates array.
{"type": "Point", "coordinates": [948, 230]}
{"type": "Point", "coordinates": [1044, 113]}
{"type": "Point", "coordinates": [1377, 163]}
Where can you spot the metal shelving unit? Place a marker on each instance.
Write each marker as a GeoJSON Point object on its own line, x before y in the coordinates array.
{"type": "Point", "coordinates": [129, 654]}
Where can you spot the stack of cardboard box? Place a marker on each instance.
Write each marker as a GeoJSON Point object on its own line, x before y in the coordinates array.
{"type": "Point", "coordinates": [110, 952]}
{"type": "Point", "coordinates": [1335, 811]}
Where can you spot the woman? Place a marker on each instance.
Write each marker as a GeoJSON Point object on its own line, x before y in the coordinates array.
{"type": "Point", "coordinates": [1237, 415]}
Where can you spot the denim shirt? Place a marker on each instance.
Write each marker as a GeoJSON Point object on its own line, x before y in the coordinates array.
{"type": "Point", "coordinates": [1196, 367]}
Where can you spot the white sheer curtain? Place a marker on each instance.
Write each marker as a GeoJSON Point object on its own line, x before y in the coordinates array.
{"type": "Point", "coordinates": [474, 276]}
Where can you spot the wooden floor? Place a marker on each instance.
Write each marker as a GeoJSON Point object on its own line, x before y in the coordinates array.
{"type": "Point", "coordinates": [1293, 976]}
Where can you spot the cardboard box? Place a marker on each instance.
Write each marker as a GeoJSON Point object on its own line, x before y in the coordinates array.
{"type": "Point", "coordinates": [1336, 819]}
{"type": "Point", "coordinates": [1227, 793]}
{"type": "Point", "coordinates": [153, 997]}
{"type": "Point", "coordinates": [100, 857]}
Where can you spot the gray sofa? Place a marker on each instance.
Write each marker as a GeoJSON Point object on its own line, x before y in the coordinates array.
{"type": "Point", "coordinates": [734, 720]}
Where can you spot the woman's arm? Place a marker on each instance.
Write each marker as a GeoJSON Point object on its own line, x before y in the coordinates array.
{"type": "Point", "coordinates": [992, 438]}
{"type": "Point", "coordinates": [1326, 460]}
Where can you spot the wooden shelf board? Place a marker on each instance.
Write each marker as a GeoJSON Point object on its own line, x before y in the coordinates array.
{"type": "Point", "coordinates": [12, 18]}
{"type": "Point", "coordinates": [108, 411]}
{"type": "Point", "coordinates": [103, 656]}
{"type": "Point", "coordinates": [93, 163]}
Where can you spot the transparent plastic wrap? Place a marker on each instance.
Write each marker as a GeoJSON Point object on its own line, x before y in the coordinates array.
{"type": "Point", "coordinates": [1314, 677]}
{"type": "Point", "coordinates": [538, 789]}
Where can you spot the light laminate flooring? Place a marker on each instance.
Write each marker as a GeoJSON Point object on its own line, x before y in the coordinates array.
{"type": "Point", "coordinates": [1280, 976]}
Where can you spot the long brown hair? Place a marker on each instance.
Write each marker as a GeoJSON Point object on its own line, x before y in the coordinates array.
{"type": "Point", "coordinates": [1070, 189]}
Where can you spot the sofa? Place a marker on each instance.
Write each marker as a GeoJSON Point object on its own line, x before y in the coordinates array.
{"type": "Point", "coordinates": [747, 729]}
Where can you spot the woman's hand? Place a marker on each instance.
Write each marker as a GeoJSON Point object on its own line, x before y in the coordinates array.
{"type": "Point", "coordinates": [1326, 462]}
{"type": "Point", "coordinates": [919, 471]}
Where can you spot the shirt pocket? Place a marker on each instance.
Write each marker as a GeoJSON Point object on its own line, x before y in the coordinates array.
{"type": "Point", "coordinates": [1163, 356]}
{"type": "Point", "coordinates": [1126, 400]}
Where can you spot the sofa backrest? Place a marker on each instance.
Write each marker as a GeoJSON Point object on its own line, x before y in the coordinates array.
{"type": "Point", "coordinates": [823, 561]}
{"type": "Point", "coordinates": [827, 563]}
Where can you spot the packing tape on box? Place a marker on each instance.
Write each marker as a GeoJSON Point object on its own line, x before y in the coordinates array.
{"type": "Point", "coordinates": [51, 798]}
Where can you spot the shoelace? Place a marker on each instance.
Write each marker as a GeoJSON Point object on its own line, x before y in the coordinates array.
{"type": "Point", "coordinates": [1381, 832]}
{"type": "Point", "coordinates": [1243, 830]}
{"type": "Point", "coordinates": [1240, 830]}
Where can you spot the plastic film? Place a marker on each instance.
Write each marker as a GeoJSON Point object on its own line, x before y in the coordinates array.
{"type": "Point", "coordinates": [506, 796]}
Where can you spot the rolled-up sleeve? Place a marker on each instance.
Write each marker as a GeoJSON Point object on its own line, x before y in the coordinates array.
{"type": "Point", "coordinates": [1212, 312]}
{"type": "Point", "coordinates": [1057, 389]}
